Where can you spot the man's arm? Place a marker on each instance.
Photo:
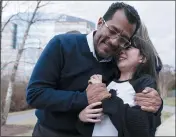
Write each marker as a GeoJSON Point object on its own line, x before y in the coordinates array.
{"type": "Point", "coordinates": [154, 102]}
{"type": "Point", "coordinates": [42, 90]}
{"type": "Point", "coordinates": [149, 100]}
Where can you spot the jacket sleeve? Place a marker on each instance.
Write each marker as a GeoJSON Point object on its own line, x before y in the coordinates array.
{"type": "Point", "coordinates": [42, 91]}
{"type": "Point", "coordinates": [128, 120]}
{"type": "Point", "coordinates": [84, 128]}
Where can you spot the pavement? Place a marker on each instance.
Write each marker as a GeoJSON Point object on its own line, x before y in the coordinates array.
{"type": "Point", "coordinates": [169, 109]}
{"type": "Point", "coordinates": [22, 118]}
{"type": "Point", "coordinates": [167, 128]}
{"type": "Point", "coordinates": [29, 133]}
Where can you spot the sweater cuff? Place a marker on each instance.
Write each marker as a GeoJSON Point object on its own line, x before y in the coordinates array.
{"type": "Point", "coordinates": [83, 101]}
{"type": "Point", "coordinates": [85, 129]}
{"type": "Point", "coordinates": [160, 109]}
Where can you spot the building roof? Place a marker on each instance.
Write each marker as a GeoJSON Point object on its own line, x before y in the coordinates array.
{"type": "Point", "coordinates": [68, 18]}
{"type": "Point", "coordinates": [52, 17]}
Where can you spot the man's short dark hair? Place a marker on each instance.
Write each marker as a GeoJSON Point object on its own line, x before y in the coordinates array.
{"type": "Point", "coordinates": [130, 12]}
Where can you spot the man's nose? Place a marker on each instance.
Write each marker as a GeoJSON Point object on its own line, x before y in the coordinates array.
{"type": "Point", "coordinates": [122, 51]}
{"type": "Point", "coordinates": [114, 43]}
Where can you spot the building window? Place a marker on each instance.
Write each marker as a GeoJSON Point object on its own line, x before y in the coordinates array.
{"type": "Point", "coordinates": [14, 36]}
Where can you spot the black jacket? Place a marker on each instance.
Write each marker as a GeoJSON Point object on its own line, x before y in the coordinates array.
{"type": "Point", "coordinates": [129, 121]}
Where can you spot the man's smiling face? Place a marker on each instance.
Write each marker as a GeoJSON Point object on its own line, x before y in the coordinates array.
{"type": "Point", "coordinates": [112, 33]}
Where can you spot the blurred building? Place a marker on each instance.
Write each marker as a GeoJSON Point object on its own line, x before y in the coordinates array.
{"type": "Point", "coordinates": [40, 33]}
{"type": "Point", "coordinates": [69, 23]}
{"type": "Point", "coordinates": [8, 47]}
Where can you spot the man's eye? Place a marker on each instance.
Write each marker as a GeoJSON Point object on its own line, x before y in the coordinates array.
{"type": "Point", "coordinates": [122, 40]}
{"type": "Point", "coordinates": [128, 47]}
{"type": "Point", "coordinates": [112, 31]}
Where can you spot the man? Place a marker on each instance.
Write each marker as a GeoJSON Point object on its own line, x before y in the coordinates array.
{"type": "Point", "coordinates": [58, 84]}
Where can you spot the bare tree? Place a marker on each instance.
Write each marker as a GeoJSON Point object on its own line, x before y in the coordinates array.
{"type": "Point", "coordinates": [0, 39]}
{"type": "Point", "coordinates": [5, 64]}
{"type": "Point", "coordinates": [4, 5]}
{"type": "Point", "coordinates": [17, 17]}
{"type": "Point", "coordinates": [0, 18]}
{"type": "Point", "coordinates": [30, 22]}
{"type": "Point", "coordinates": [166, 79]}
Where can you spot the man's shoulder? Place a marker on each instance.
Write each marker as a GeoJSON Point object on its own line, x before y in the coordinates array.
{"type": "Point", "coordinates": [69, 36]}
{"type": "Point", "coordinates": [69, 42]}
{"type": "Point", "coordinates": [144, 81]}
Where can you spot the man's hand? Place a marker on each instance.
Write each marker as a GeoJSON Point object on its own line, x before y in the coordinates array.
{"type": "Point", "coordinates": [97, 92]}
{"type": "Point", "coordinates": [149, 100]}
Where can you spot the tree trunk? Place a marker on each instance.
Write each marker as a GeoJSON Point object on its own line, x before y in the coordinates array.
{"type": "Point", "coordinates": [14, 70]}
{"type": "Point", "coordinates": [1, 20]}
{"type": "Point", "coordinates": [0, 43]}
{"type": "Point", "coordinates": [164, 93]}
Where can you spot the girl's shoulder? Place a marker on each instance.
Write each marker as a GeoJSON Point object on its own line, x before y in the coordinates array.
{"type": "Point", "coordinates": [142, 82]}
{"type": "Point", "coordinates": [145, 78]}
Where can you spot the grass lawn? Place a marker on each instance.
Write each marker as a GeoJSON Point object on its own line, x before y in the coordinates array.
{"type": "Point", "coordinates": [169, 101]}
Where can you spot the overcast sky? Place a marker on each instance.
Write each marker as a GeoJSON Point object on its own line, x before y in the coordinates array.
{"type": "Point", "coordinates": [159, 17]}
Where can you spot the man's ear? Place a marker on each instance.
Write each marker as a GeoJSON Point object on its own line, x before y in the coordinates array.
{"type": "Point", "coordinates": [100, 23]}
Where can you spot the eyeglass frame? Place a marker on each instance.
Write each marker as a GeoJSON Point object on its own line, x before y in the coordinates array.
{"type": "Point", "coordinates": [118, 35]}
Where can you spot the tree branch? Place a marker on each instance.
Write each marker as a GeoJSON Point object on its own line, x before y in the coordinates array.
{"type": "Point", "coordinates": [44, 4]}
{"type": "Point", "coordinates": [3, 27]}
{"type": "Point", "coordinates": [4, 5]}
{"type": "Point", "coordinates": [20, 18]}
{"type": "Point", "coordinates": [6, 64]}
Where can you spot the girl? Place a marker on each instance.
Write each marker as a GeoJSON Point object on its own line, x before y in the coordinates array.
{"type": "Point", "coordinates": [119, 116]}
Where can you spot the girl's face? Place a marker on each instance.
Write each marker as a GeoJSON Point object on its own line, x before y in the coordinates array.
{"type": "Point", "coordinates": [129, 59]}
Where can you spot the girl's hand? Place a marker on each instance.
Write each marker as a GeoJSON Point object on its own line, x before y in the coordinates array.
{"type": "Point", "coordinates": [91, 114]}
{"type": "Point", "coordinates": [95, 79]}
